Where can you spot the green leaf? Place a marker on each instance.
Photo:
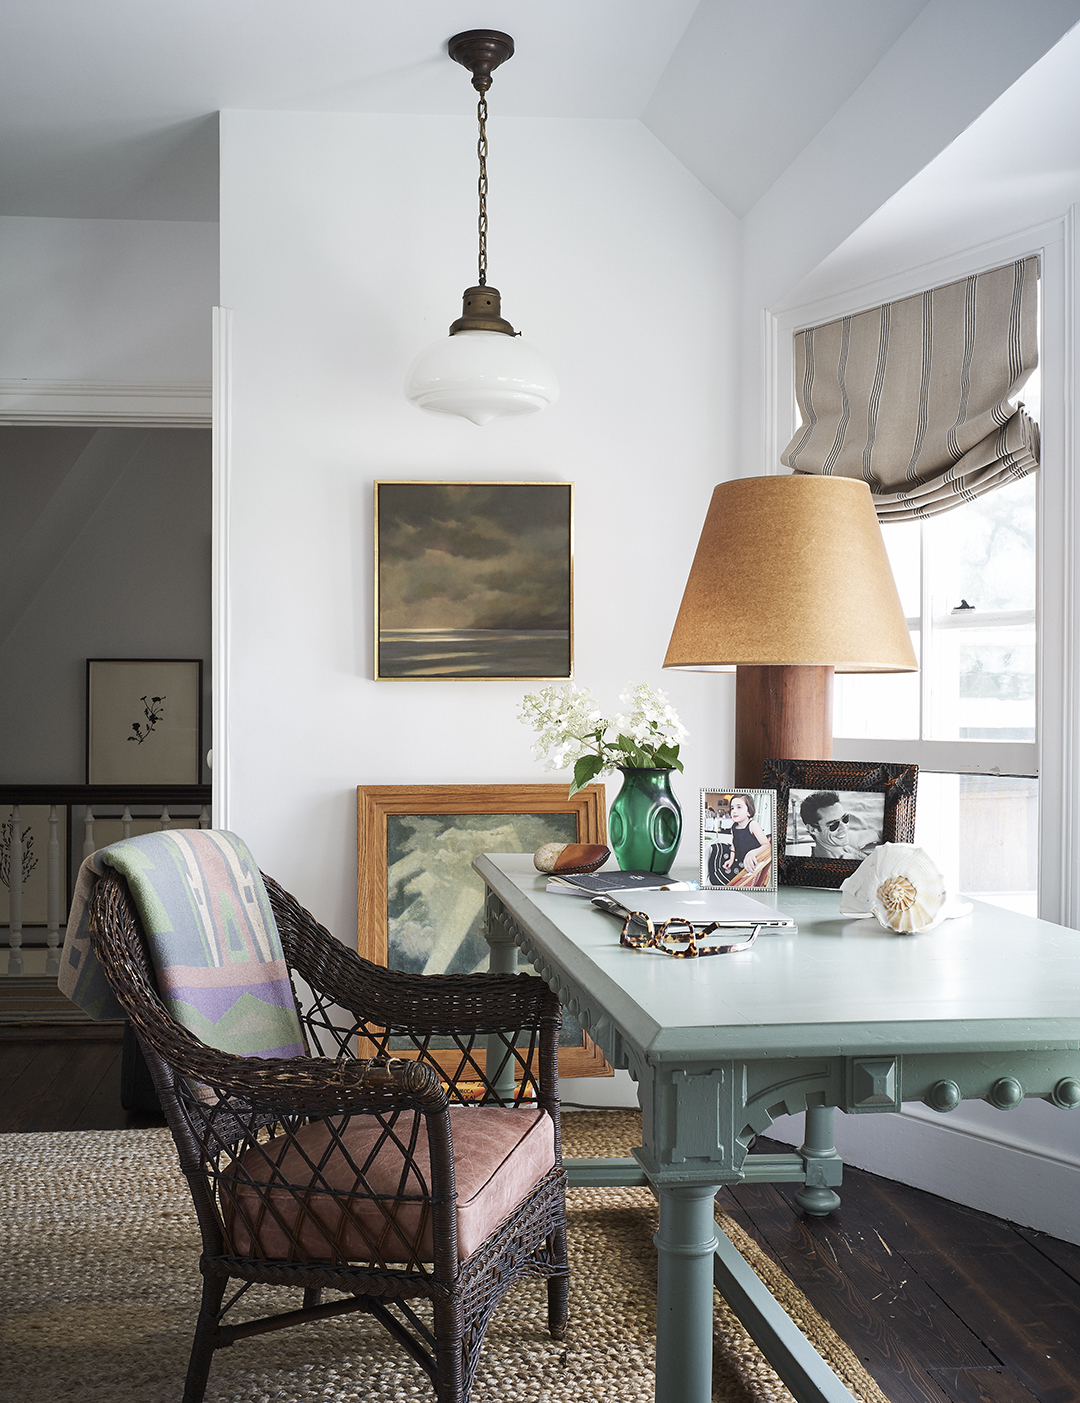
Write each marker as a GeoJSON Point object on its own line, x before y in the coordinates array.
{"type": "Point", "coordinates": [668, 755]}
{"type": "Point", "coordinates": [585, 770]}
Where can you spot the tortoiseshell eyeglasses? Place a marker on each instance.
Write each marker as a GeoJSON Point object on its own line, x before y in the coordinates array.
{"type": "Point", "coordinates": [677, 931]}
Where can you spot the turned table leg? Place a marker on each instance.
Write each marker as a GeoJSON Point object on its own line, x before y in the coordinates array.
{"type": "Point", "coordinates": [824, 1167]}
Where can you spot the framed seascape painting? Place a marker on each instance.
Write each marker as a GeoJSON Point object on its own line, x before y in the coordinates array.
{"type": "Point", "coordinates": [420, 905]}
{"type": "Point", "coordinates": [474, 580]}
{"type": "Point", "coordinates": [833, 813]}
{"type": "Point", "coordinates": [143, 720]}
{"type": "Point", "coordinates": [738, 828]}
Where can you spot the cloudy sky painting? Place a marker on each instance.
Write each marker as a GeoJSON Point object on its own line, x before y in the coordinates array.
{"type": "Point", "coordinates": [474, 579]}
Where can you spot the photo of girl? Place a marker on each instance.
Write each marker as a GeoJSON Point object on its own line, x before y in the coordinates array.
{"type": "Point", "coordinates": [737, 839]}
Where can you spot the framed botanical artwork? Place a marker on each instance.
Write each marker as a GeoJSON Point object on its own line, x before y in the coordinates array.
{"type": "Point", "coordinates": [738, 839]}
{"type": "Point", "coordinates": [474, 580]}
{"type": "Point", "coordinates": [832, 813]}
{"type": "Point", "coordinates": [143, 720]}
{"type": "Point", "coordinates": [420, 905]}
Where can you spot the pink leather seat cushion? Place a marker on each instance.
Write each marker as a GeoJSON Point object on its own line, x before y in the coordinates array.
{"type": "Point", "coordinates": [499, 1155]}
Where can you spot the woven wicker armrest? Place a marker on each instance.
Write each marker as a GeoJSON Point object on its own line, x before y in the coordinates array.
{"type": "Point", "coordinates": [474, 1003]}
{"type": "Point", "coordinates": [310, 1086]}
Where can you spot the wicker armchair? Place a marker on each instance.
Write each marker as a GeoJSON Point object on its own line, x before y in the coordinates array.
{"type": "Point", "coordinates": [378, 1177]}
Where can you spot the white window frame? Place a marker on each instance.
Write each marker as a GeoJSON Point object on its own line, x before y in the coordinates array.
{"type": "Point", "coordinates": [1056, 753]}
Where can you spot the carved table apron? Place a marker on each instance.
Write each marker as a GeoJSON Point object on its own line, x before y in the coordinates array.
{"type": "Point", "coordinates": [842, 1014]}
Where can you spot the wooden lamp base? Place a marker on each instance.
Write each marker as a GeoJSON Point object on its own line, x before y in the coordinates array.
{"type": "Point", "coordinates": [781, 713]}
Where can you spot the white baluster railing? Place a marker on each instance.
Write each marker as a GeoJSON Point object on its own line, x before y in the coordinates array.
{"type": "Point", "coordinates": [15, 875]}
{"type": "Point", "coordinates": [52, 895]}
{"type": "Point", "coordinates": [24, 822]}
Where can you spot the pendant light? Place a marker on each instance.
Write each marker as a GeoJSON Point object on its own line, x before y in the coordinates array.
{"type": "Point", "coordinates": [483, 369]}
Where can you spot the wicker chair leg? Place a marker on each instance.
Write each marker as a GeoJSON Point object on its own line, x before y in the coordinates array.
{"type": "Point", "coordinates": [558, 1287]}
{"type": "Point", "coordinates": [312, 1296]}
{"type": "Point", "coordinates": [558, 1294]}
{"type": "Point", "coordinates": [450, 1372]}
{"type": "Point", "coordinates": [206, 1328]}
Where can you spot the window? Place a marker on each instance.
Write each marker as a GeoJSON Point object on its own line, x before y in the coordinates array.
{"type": "Point", "coordinates": [1054, 756]}
{"type": "Point", "coordinates": [967, 582]}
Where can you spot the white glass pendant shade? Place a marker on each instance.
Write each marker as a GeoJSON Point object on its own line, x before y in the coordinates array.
{"type": "Point", "coordinates": [481, 375]}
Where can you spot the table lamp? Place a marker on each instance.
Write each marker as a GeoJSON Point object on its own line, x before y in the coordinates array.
{"type": "Point", "coordinates": [790, 583]}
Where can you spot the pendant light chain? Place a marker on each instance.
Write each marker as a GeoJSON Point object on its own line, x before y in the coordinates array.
{"type": "Point", "coordinates": [482, 370]}
{"type": "Point", "coordinates": [482, 188]}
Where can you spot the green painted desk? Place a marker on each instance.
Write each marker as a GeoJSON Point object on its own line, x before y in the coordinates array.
{"type": "Point", "coordinates": [843, 1014]}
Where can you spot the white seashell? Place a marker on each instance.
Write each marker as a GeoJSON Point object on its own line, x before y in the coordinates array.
{"type": "Point", "coordinates": [857, 891]}
{"type": "Point", "coordinates": [900, 885]}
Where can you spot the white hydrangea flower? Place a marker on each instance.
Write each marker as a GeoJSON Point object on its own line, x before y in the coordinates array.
{"type": "Point", "coordinates": [570, 727]}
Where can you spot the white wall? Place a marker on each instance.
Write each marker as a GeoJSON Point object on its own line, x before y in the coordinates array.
{"type": "Point", "coordinates": [104, 553]}
{"type": "Point", "coordinates": [345, 244]}
{"type": "Point", "coordinates": [106, 320]}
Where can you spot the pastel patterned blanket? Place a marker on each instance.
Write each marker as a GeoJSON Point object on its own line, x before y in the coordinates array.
{"type": "Point", "coordinates": [212, 937]}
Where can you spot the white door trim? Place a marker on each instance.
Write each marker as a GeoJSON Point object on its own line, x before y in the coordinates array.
{"type": "Point", "coordinates": [221, 647]}
{"type": "Point", "coordinates": [24, 401]}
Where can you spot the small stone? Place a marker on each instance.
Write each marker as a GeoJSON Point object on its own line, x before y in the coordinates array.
{"type": "Point", "coordinates": [546, 856]}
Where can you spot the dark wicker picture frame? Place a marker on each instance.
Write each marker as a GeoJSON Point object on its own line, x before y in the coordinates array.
{"type": "Point", "coordinates": [896, 782]}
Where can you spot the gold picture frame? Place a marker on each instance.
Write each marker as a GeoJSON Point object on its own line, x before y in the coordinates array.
{"type": "Point", "coordinates": [415, 845]}
{"type": "Point", "coordinates": [474, 581]}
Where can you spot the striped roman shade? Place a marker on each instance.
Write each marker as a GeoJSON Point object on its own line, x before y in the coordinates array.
{"type": "Point", "coordinates": [914, 396]}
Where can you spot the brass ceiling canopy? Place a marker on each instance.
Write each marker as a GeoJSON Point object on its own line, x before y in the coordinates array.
{"type": "Point", "coordinates": [480, 51]}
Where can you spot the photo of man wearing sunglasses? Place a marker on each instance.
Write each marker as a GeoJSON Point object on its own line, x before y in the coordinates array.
{"type": "Point", "coordinates": [841, 827]}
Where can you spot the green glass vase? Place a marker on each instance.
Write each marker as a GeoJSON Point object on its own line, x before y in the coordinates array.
{"type": "Point", "coordinates": [645, 823]}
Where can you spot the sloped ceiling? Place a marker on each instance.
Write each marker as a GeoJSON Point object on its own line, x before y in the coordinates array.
{"type": "Point", "coordinates": [107, 109]}
{"type": "Point", "coordinates": [750, 84]}
{"type": "Point", "coordinates": [1019, 163]}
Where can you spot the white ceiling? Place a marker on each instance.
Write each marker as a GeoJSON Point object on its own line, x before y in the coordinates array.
{"type": "Point", "coordinates": [107, 108]}
{"type": "Point", "coordinates": [1019, 164]}
{"type": "Point", "coordinates": [750, 84]}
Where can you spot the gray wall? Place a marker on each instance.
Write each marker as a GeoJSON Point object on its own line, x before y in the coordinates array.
{"type": "Point", "coordinates": [104, 553]}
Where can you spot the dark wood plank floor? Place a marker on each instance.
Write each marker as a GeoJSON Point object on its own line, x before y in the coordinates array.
{"type": "Point", "coordinates": [63, 1079]}
{"type": "Point", "coordinates": [939, 1302]}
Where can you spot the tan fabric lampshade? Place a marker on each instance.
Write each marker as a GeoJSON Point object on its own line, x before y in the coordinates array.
{"type": "Point", "coordinates": [791, 571]}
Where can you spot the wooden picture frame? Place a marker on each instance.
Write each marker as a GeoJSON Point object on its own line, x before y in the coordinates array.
{"type": "Point", "coordinates": [850, 782]}
{"type": "Point", "coordinates": [474, 580]}
{"type": "Point", "coordinates": [143, 720]}
{"type": "Point", "coordinates": [414, 865]}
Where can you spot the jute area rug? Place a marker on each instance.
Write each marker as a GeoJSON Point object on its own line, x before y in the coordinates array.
{"type": "Point", "coordinates": [100, 1288]}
